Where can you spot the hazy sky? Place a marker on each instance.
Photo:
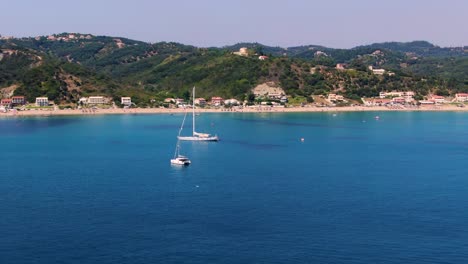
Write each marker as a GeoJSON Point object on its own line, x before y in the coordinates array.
{"type": "Point", "coordinates": [333, 23]}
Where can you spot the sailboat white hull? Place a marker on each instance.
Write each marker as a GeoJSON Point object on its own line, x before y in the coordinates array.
{"type": "Point", "coordinates": [211, 138]}
{"type": "Point", "coordinates": [196, 136]}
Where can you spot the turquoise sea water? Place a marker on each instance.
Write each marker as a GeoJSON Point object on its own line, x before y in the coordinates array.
{"type": "Point", "coordinates": [100, 189]}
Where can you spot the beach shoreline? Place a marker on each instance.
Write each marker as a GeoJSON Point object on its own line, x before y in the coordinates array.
{"type": "Point", "coordinates": [121, 111]}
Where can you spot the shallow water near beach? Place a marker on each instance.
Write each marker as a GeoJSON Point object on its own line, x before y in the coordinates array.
{"type": "Point", "coordinates": [356, 189]}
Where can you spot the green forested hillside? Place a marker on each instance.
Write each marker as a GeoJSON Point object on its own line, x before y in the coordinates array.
{"type": "Point", "coordinates": [67, 66]}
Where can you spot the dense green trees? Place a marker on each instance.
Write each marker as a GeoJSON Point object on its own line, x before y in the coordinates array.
{"type": "Point", "coordinates": [67, 69]}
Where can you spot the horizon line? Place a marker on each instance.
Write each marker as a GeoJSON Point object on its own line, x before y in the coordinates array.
{"type": "Point", "coordinates": [240, 42]}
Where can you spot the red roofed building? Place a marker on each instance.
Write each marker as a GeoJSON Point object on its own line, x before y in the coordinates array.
{"type": "Point", "coordinates": [5, 102]}
{"type": "Point", "coordinates": [437, 99]}
{"type": "Point", "coordinates": [216, 100]}
{"type": "Point", "coordinates": [18, 100]}
{"type": "Point", "coordinates": [399, 100]}
{"type": "Point", "coordinates": [376, 101]}
{"type": "Point", "coordinates": [200, 101]}
{"type": "Point", "coordinates": [461, 97]}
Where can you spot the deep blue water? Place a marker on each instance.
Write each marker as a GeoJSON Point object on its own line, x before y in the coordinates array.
{"type": "Point", "coordinates": [100, 189]}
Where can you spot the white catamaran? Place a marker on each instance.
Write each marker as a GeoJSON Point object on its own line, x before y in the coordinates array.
{"type": "Point", "coordinates": [196, 136]}
{"type": "Point", "coordinates": [180, 159]}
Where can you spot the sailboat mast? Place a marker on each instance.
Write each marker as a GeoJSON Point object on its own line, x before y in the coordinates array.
{"type": "Point", "coordinates": [193, 111]}
{"type": "Point", "coordinates": [176, 152]}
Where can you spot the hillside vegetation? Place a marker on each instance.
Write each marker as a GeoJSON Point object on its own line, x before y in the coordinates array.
{"type": "Point", "coordinates": [65, 67]}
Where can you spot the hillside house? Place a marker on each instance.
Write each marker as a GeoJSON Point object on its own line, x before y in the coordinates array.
{"type": "Point", "coordinates": [268, 90]}
{"type": "Point", "coordinates": [377, 71]}
{"type": "Point", "coordinates": [335, 97]}
{"type": "Point", "coordinates": [242, 52]}
{"type": "Point", "coordinates": [340, 66]}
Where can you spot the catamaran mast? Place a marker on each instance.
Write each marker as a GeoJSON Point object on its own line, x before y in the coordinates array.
{"type": "Point", "coordinates": [177, 149]}
{"type": "Point", "coordinates": [193, 111]}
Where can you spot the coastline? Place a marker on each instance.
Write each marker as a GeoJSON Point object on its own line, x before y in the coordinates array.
{"type": "Point", "coordinates": [121, 111]}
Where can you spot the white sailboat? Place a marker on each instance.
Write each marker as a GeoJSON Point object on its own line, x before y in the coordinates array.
{"type": "Point", "coordinates": [180, 159]}
{"type": "Point", "coordinates": [196, 136]}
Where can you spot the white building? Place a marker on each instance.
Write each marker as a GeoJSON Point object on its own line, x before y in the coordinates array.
{"type": "Point", "coordinates": [97, 100]}
{"type": "Point", "coordinates": [42, 101]}
{"type": "Point", "coordinates": [437, 99]}
{"type": "Point", "coordinates": [127, 101]}
{"type": "Point", "coordinates": [335, 97]}
{"type": "Point", "coordinates": [83, 100]}
{"type": "Point", "coordinates": [461, 97]}
{"type": "Point", "coordinates": [231, 102]}
{"type": "Point", "coordinates": [407, 94]}
{"type": "Point", "coordinates": [242, 52]}
{"type": "Point", "coordinates": [377, 71]}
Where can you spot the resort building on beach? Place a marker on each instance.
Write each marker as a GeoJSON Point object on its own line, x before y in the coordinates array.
{"type": "Point", "coordinates": [94, 100]}
{"type": "Point", "coordinates": [216, 100]}
{"type": "Point", "coordinates": [461, 97]}
{"type": "Point", "coordinates": [231, 101]}
{"type": "Point", "coordinates": [408, 96]}
{"type": "Point", "coordinates": [396, 94]}
{"type": "Point", "coordinates": [398, 100]}
{"type": "Point", "coordinates": [169, 100]}
{"type": "Point", "coordinates": [437, 99]}
{"type": "Point", "coordinates": [426, 102]}
{"type": "Point", "coordinates": [98, 100]}
{"type": "Point", "coordinates": [376, 101]}
{"type": "Point", "coordinates": [18, 100]}
{"type": "Point", "coordinates": [335, 97]}
{"type": "Point", "coordinates": [200, 101]}
{"type": "Point", "coordinates": [6, 102]}
{"type": "Point", "coordinates": [42, 101]}
{"type": "Point", "coordinates": [126, 101]}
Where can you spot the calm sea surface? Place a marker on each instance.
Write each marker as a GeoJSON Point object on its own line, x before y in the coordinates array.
{"type": "Point", "coordinates": [100, 189]}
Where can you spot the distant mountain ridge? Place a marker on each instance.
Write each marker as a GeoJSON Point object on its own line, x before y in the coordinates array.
{"type": "Point", "coordinates": [69, 65]}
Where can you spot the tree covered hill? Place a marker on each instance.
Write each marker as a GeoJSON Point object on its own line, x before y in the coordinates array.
{"type": "Point", "coordinates": [67, 66]}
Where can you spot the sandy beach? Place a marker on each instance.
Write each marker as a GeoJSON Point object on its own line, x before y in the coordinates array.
{"type": "Point", "coordinates": [262, 109]}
